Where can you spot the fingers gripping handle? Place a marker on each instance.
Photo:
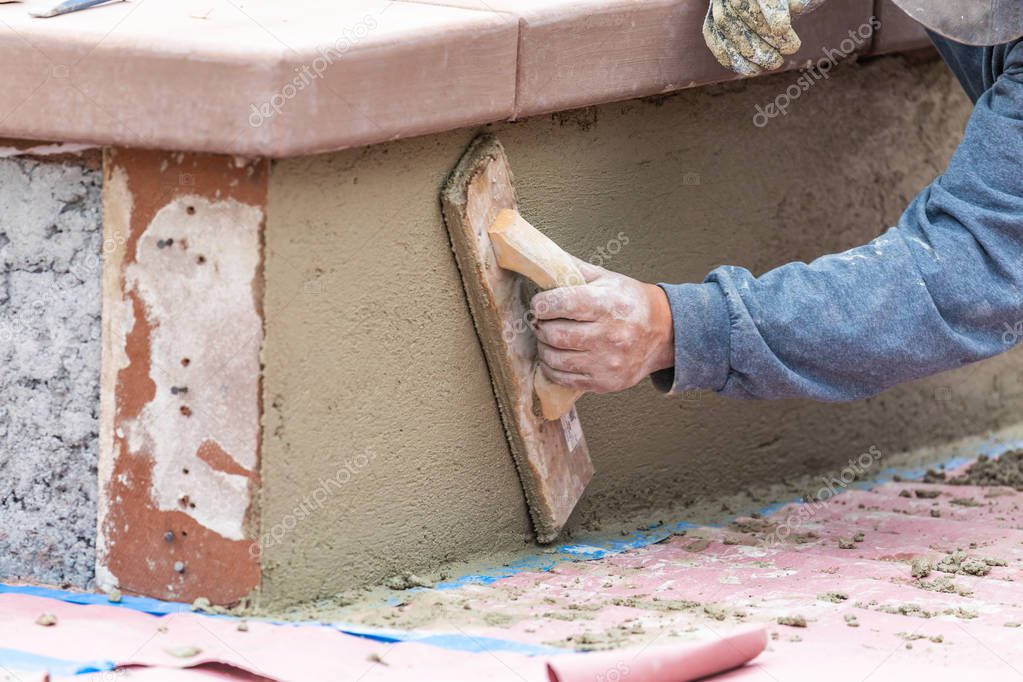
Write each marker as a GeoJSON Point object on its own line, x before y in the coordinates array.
{"type": "Point", "coordinates": [522, 248]}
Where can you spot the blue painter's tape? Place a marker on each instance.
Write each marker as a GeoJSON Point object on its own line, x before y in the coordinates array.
{"type": "Point", "coordinates": [22, 661]}
{"type": "Point", "coordinates": [153, 607]}
{"type": "Point", "coordinates": [594, 549]}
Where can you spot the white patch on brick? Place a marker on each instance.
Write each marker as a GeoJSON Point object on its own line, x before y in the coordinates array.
{"type": "Point", "coordinates": [205, 312]}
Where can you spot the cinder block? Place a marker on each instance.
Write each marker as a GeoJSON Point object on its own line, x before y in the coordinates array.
{"type": "Point", "coordinates": [50, 246]}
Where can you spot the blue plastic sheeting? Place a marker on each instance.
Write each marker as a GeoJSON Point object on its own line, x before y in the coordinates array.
{"type": "Point", "coordinates": [153, 607]}
{"type": "Point", "coordinates": [14, 660]}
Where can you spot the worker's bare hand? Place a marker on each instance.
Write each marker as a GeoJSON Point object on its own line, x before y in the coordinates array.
{"type": "Point", "coordinates": [606, 335]}
{"type": "Point", "coordinates": [750, 36]}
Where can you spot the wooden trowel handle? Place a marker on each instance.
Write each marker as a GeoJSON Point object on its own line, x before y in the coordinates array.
{"type": "Point", "coordinates": [522, 248]}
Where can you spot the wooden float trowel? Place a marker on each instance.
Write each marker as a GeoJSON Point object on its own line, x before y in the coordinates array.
{"type": "Point", "coordinates": [496, 250]}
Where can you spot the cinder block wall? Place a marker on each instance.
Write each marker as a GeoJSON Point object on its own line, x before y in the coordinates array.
{"type": "Point", "coordinates": [382, 447]}
{"type": "Point", "coordinates": [50, 245]}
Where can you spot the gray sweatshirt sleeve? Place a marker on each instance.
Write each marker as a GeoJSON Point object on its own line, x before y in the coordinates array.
{"type": "Point", "coordinates": [939, 290]}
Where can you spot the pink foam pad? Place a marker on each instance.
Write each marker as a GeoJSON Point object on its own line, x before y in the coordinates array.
{"type": "Point", "coordinates": [662, 664]}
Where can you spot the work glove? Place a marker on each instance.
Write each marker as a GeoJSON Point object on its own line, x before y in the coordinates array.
{"type": "Point", "coordinates": [750, 36]}
{"type": "Point", "coordinates": [605, 335]}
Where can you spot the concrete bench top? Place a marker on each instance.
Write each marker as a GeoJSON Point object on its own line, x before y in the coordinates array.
{"type": "Point", "coordinates": [267, 78]}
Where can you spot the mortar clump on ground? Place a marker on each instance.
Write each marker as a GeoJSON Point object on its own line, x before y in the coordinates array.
{"type": "Point", "coordinates": [1005, 470]}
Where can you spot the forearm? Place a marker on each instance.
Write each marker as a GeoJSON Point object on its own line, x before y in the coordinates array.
{"type": "Point", "coordinates": [941, 289]}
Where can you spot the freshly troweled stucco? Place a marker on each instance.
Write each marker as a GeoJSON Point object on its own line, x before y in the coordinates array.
{"type": "Point", "coordinates": [383, 450]}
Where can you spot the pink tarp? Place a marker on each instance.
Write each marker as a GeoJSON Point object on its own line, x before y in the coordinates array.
{"type": "Point", "coordinates": [187, 646]}
{"type": "Point", "coordinates": [835, 592]}
{"type": "Point", "coordinates": [845, 570]}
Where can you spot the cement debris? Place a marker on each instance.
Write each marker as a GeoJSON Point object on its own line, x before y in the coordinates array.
{"type": "Point", "coordinates": [1007, 470]}
{"type": "Point", "coordinates": [46, 620]}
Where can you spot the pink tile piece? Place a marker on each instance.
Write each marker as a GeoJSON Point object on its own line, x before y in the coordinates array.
{"type": "Point", "coordinates": [663, 664]}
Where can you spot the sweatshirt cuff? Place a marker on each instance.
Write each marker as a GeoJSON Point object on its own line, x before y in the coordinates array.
{"type": "Point", "coordinates": [699, 316]}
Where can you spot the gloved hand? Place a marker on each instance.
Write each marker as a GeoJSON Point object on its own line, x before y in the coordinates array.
{"type": "Point", "coordinates": [606, 335]}
{"type": "Point", "coordinates": [749, 36]}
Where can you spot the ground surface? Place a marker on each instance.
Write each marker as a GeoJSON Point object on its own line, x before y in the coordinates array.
{"type": "Point", "coordinates": [918, 578]}
{"type": "Point", "coordinates": [690, 182]}
{"type": "Point", "coordinates": [50, 245]}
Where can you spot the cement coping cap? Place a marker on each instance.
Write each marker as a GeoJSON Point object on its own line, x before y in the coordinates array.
{"type": "Point", "coordinates": [267, 78]}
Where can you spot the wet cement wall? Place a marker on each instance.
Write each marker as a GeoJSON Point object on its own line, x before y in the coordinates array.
{"type": "Point", "coordinates": [383, 451]}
